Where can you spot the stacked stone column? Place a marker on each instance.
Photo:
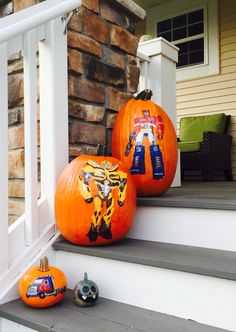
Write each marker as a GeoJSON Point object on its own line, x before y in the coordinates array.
{"type": "Point", "coordinates": [103, 71]}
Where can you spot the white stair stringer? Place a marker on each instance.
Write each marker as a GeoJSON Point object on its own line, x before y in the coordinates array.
{"type": "Point", "coordinates": [207, 228]}
{"type": "Point", "coordinates": [204, 299]}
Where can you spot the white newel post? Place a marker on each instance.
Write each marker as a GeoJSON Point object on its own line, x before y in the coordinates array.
{"type": "Point", "coordinates": [162, 78]}
{"type": "Point", "coordinates": [162, 73]}
{"type": "Point", "coordinates": [53, 109]}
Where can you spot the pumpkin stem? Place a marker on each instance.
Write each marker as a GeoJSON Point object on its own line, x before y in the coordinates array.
{"type": "Point", "coordinates": [144, 95]}
{"type": "Point", "coordinates": [85, 276]}
{"type": "Point", "coordinates": [101, 150]}
{"type": "Point", "coordinates": [44, 264]}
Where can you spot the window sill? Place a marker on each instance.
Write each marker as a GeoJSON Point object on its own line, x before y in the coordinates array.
{"type": "Point", "coordinates": [197, 71]}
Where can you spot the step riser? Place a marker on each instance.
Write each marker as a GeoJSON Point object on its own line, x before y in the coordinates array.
{"type": "Point", "coordinates": [205, 228]}
{"type": "Point", "coordinates": [9, 326]}
{"type": "Point", "coordinates": [181, 294]}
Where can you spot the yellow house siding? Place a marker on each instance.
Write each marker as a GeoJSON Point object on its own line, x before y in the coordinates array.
{"type": "Point", "coordinates": [217, 93]}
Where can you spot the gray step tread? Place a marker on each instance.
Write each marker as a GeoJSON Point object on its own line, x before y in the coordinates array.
{"type": "Point", "coordinates": [209, 262]}
{"type": "Point", "coordinates": [182, 202]}
{"type": "Point", "coordinates": [199, 195]}
{"type": "Point", "coordinates": [105, 316]}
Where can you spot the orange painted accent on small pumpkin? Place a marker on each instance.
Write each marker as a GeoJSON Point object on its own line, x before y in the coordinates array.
{"type": "Point", "coordinates": [42, 286]}
{"type": "Point", "coordinates": [95, 201]}
{"type": "Point", "coordinates": [144, 139]}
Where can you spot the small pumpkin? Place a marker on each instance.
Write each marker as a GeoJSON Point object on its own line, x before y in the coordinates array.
{"type": "Point", "coordinates": [86, 292]}
{"type": "Point", "coordinates": [95, 201]}
{"type": "Point", "coordinates": [144, 139]}
{"type": "Point", "coordinates": [42, 286]}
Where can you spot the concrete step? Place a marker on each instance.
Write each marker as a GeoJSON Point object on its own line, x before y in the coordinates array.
{"type": "Point", "coordinates": [187, 282]}
{"type": "Point", "coordinates": [106, 315]}
{"type": "Point", "coordinates": [192, 226]}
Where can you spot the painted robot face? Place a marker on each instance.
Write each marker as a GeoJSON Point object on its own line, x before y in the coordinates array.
{"type": "Point", "coordinates": [86, 292]}
{"type": "Point", "coordinates": [146, 112]}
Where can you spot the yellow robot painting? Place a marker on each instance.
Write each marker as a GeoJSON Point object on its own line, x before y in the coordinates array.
{"type": "Point", "coordinates": [100, 184]}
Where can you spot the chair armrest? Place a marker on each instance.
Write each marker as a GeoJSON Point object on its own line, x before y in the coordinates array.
{"type": "Point", "coordinates": [216, 144]}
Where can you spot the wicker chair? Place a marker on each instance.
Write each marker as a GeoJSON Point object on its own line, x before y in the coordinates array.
{"type": "Point", "coordinates": [215, 154]}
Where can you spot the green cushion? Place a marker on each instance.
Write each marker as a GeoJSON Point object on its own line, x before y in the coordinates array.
{"type": "Point", "coordinates": [192, 128]}
{"type": "Point", "coordinates": [189, 146]}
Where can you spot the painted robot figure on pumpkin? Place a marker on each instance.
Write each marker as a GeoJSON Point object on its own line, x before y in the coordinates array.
{"type": "Point", "coordinates": [148, 126]}
{"type": "Point", "coordinates": [107, 179]}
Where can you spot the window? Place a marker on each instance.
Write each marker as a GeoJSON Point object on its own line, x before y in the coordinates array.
{"type": "Point", "coordinates": [187, 33]}
{"type": "Point", "coordinates": [192, 26]}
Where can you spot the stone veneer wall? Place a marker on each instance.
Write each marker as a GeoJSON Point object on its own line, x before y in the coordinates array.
{"type": "Point", "coordinates": [103, 72]}
{"type": "Point", "coordinates": [103, 75]}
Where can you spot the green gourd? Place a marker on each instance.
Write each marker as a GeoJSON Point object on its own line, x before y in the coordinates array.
{"type": "Point", "coordinates": [86, 292]}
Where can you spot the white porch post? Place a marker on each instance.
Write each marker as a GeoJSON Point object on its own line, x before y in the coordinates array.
{"type": "Point", "coordinates": [162, 73]}
{"type": "Point", "coordinates": [162, 78]}
{"type": "Point", "coordinates": [53, 109]}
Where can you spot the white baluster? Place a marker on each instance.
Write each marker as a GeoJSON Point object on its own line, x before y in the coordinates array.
{"type": "Point", "coordinates": [30, 118]}
{"type": "Point", "coordinates": [53, 109]}
{"type": "Point", "coordinates": [4, 158]}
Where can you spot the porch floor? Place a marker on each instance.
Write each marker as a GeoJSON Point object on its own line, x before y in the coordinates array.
{"type": "Point", "coordinates": [203, 195]}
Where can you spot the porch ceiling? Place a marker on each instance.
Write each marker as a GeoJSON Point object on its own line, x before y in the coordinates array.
{"type": "Point", "coordinates": [149, 3]}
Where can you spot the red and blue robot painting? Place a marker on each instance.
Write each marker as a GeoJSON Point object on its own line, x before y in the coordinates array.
{"type": "Point", "coordinates": [150, 128]}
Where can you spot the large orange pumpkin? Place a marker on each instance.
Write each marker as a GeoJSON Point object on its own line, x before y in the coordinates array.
{"type": "Point", "coordinates": [42, 286]}
{"type": "Point", "coordinates": [95, 201]}
{"type": "Point", "coordinates": [144, 139]}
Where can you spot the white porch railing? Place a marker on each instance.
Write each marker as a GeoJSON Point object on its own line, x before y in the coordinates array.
{"type": "Point", "coordinates": [42, 26]}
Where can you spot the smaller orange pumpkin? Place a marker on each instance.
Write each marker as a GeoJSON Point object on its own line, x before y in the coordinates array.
{"type": "Point", "coordinates": [42, 286]}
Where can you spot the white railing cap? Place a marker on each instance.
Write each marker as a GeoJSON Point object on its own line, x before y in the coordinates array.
{"type": "Point", "coordinates": [143, 57]}
{"type": "Point", "coordinates": [157, 46]}
{"type": "Point", "coordinates": [32, 17]}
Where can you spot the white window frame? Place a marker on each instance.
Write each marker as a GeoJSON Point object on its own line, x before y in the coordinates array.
{"type": "Point", "coordinates": [175, 8]}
